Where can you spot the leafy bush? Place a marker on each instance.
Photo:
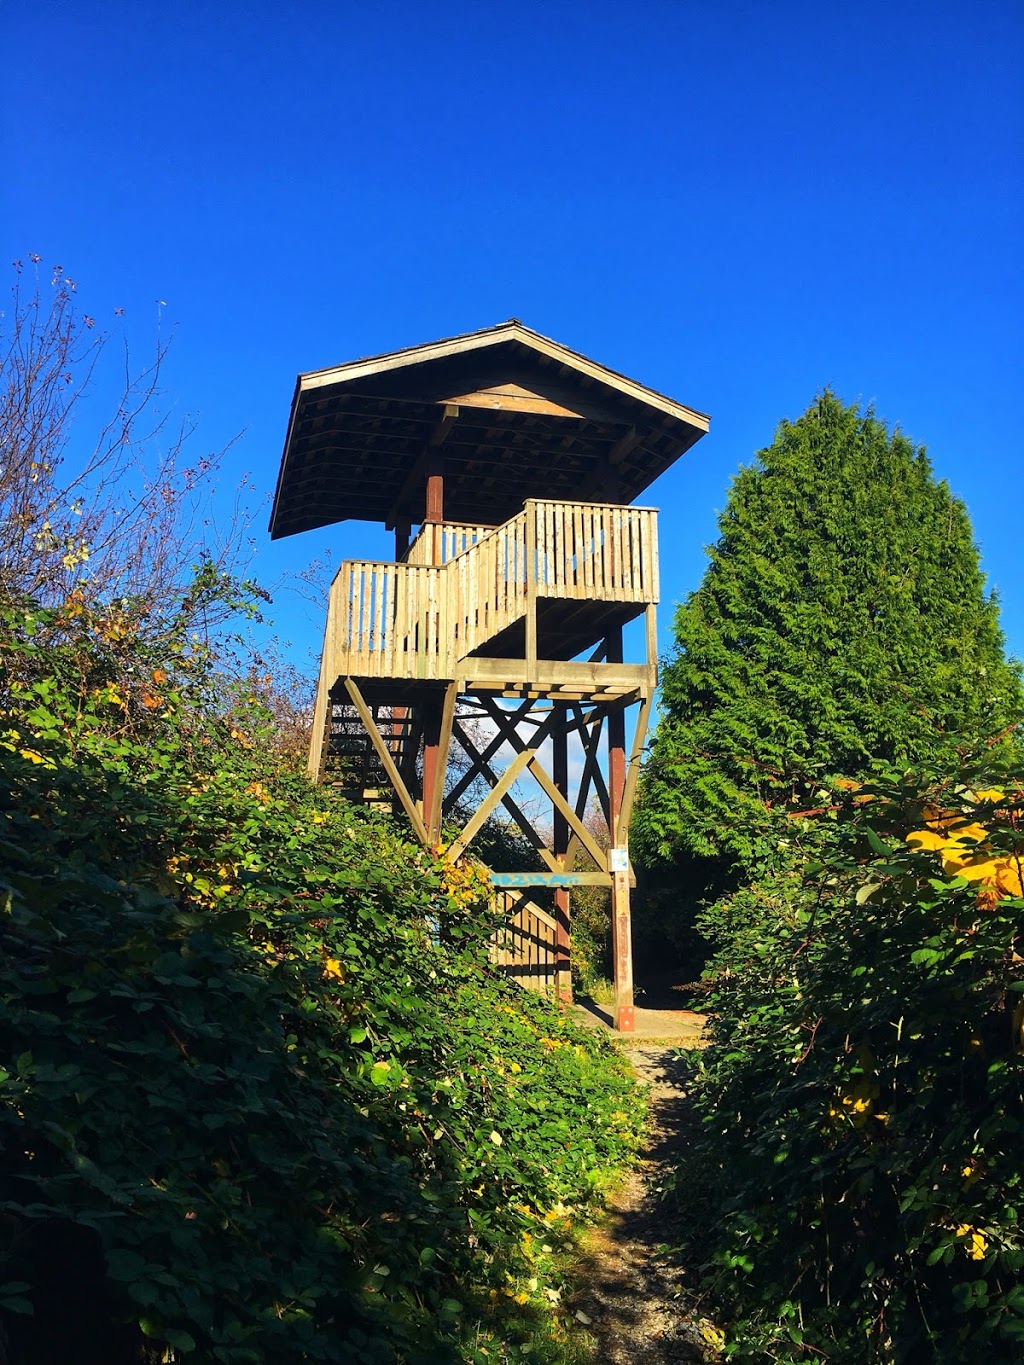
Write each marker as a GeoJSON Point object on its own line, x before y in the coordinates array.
{"type": "Point", "coordinates": [858, 1178]}
{"type": "Point", "coordinates": [262, 1098]}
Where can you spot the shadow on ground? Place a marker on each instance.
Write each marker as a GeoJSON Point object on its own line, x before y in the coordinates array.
{"type": "Point", "coordinates": [642, 1306]}
{"type": "Point", "coordinates": [675, 1027]}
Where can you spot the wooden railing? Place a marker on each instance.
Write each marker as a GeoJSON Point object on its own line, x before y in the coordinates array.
{"type": "Point", "coordinates": [488, 585]}
{"type": "Point", "coordinates": [388, 621]}
{"type": "Point", "coordinates": [416, 620]}
{"type": "Point", "coordinates": [588, 550]}
{"type": "Point", "coordinates": [439, 542]}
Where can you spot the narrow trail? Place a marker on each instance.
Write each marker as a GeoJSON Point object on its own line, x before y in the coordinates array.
{"type": "Point", "coordinates": [642, 1308]}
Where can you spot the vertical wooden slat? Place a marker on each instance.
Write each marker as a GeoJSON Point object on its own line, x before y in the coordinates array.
{"type": "Point", "coordinates": [625, 581]}
{"type": "Point", "coordinates": [653, 587]}
{"type": "Point", "coordinates": [379, 587]}
{"type": "Point", "coordinates": [651, 634]}
{"type": "Point", "coordinates": [387, 652]}
{"type": "Point", "coordinates": [568, 524]}
{"type": "Point", "coordinates": [577, 537]}
{"type": "Point", "coordinates": [636, 555]}
{"type": "Point", "coordinates": [597, 536]}
{"type": "Point", "coordinates": [531, 588]}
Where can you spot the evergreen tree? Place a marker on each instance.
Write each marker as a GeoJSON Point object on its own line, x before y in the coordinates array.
{"type": "Point", "coordinates": [842, 619]}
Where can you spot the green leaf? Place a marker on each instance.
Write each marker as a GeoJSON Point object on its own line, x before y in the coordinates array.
{"type": "Point", "coordinates": [181, 1341]}
{"type": "Point", "coordinates": [125, 1266]}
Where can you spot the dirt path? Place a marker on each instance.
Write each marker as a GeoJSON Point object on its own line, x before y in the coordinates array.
{"type": "Point", "coordinates": [642, 1308]}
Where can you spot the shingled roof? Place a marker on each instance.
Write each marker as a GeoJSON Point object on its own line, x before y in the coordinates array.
{"type": "Point", "coordinates": [512, 415]}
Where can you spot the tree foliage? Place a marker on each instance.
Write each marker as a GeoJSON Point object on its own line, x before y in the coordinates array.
{"type": "Point", "coordinates": [842, 620]}
{"type": "Point", "coordinates": [855, 1192]}
{"type": "Point", "coordinates": [99, 489]}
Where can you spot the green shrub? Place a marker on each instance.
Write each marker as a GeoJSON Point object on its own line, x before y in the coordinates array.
{"type": "Point", "coordinates": [856, 1191]}
{"type": "Point", "coordinates": [262, 1098]}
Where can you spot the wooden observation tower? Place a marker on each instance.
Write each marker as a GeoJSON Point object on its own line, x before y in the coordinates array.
{"type": "Point", "coordinates": [498, 627]}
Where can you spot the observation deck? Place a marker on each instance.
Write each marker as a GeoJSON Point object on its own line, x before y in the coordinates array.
{"type": "Point", "coordinates": [497, 629]}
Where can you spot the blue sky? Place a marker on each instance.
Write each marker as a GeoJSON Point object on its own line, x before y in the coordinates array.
{"type": "Point", "coordinates": [736, 203]}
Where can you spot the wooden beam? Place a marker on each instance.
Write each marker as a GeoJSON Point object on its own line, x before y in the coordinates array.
{"type": "Point", "coordinates": [616, 746]}
{"type": "Point", "coordinates": [624, 446]}
{"type": "Point", "coordinates": [530, 604]}
{"type": "Point", "coordinates": [651, 638]}
{"type": "Point", "coordinates": [420, 469]}
{"type": "Point", "coordinates": [622, 953]}
{"type": "Point", "coordinates": [487, 806]}
{"type": "Point", "coordinates": [319, 735]}
{"type": "Point", "coordinates": [388, 763]}
{"type": "Point", "coordinates": [510, 397]}
{"type": "Point", "coordinates": [560, 846]}
{"type": "Point", "coordinates": [506, 722]}
{"type": "Point", "coordinates": [509, 880]}
{"type": "Point", "coordinates": [479, 759]}
{"type": "Point", "coordinates": [437, 751]}
{"type": "Point", "coordinates": [582, 676]}
{"type": "Point", "coordinates": [621, 835]}
{"type": "Point", "coordinates": [577, 826]}
{"type": "Point", "coordinates": [592, 771]}
{"type": "Point", "coordinates": [484, 769]}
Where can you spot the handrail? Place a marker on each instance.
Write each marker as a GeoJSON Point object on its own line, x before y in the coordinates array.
{"type": "Point", "coordinates": [488, 586]}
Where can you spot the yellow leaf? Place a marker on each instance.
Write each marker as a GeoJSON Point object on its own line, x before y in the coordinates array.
{"type": "Point", "coordinates": [925, 838]}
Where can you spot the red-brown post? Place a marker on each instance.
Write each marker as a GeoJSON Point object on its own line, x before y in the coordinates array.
{"type": "Point", "coordinates": [622, 937]}
{"type": "Point", "coordinates": [560, 847]}
{"type": "Point", "coordinates": [435, 487]}
{"type": "Point", "coordinates": [432, 771]}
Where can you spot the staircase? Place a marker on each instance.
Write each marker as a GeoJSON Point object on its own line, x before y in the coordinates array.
{"type": "Point", "coordinates": [352, 765]}
{"type": "Point", "coordinates": [525, 947]}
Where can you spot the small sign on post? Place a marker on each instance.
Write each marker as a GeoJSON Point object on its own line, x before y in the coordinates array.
{"type": "Point", "coordinates": [618, 860]}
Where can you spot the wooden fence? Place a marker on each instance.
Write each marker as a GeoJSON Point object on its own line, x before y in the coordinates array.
{"type": "Point", "coordinates": [524, 948]}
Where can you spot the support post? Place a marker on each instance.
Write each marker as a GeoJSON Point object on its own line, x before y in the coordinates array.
{"type": "Point", "coordinates": [438, 740]}
{"type": "Point", "coordinates": [622, 936]}
{"type": "Point", "coordinates": [435, 489]}
{"type": "Point", "coordinates": [560, 848]}
{"type": "Point", "coordinates": [438, 715]}
{"type": "Point", "coordinates": [403, 531]}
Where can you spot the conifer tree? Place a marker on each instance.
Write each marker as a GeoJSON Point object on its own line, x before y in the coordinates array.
{"type": "Point", "coordinates": [843, 619]}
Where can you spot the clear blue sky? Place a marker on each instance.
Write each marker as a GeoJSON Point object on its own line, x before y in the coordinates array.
{"type": "Point", "coordinates": [736, 203]}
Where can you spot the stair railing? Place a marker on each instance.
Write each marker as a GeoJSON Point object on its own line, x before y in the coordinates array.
{"type": "Point", "coordinates": [487, 586]}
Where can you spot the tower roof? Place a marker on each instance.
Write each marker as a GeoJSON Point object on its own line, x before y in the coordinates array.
{"type": "Point", "coordinates": [511, 414]}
